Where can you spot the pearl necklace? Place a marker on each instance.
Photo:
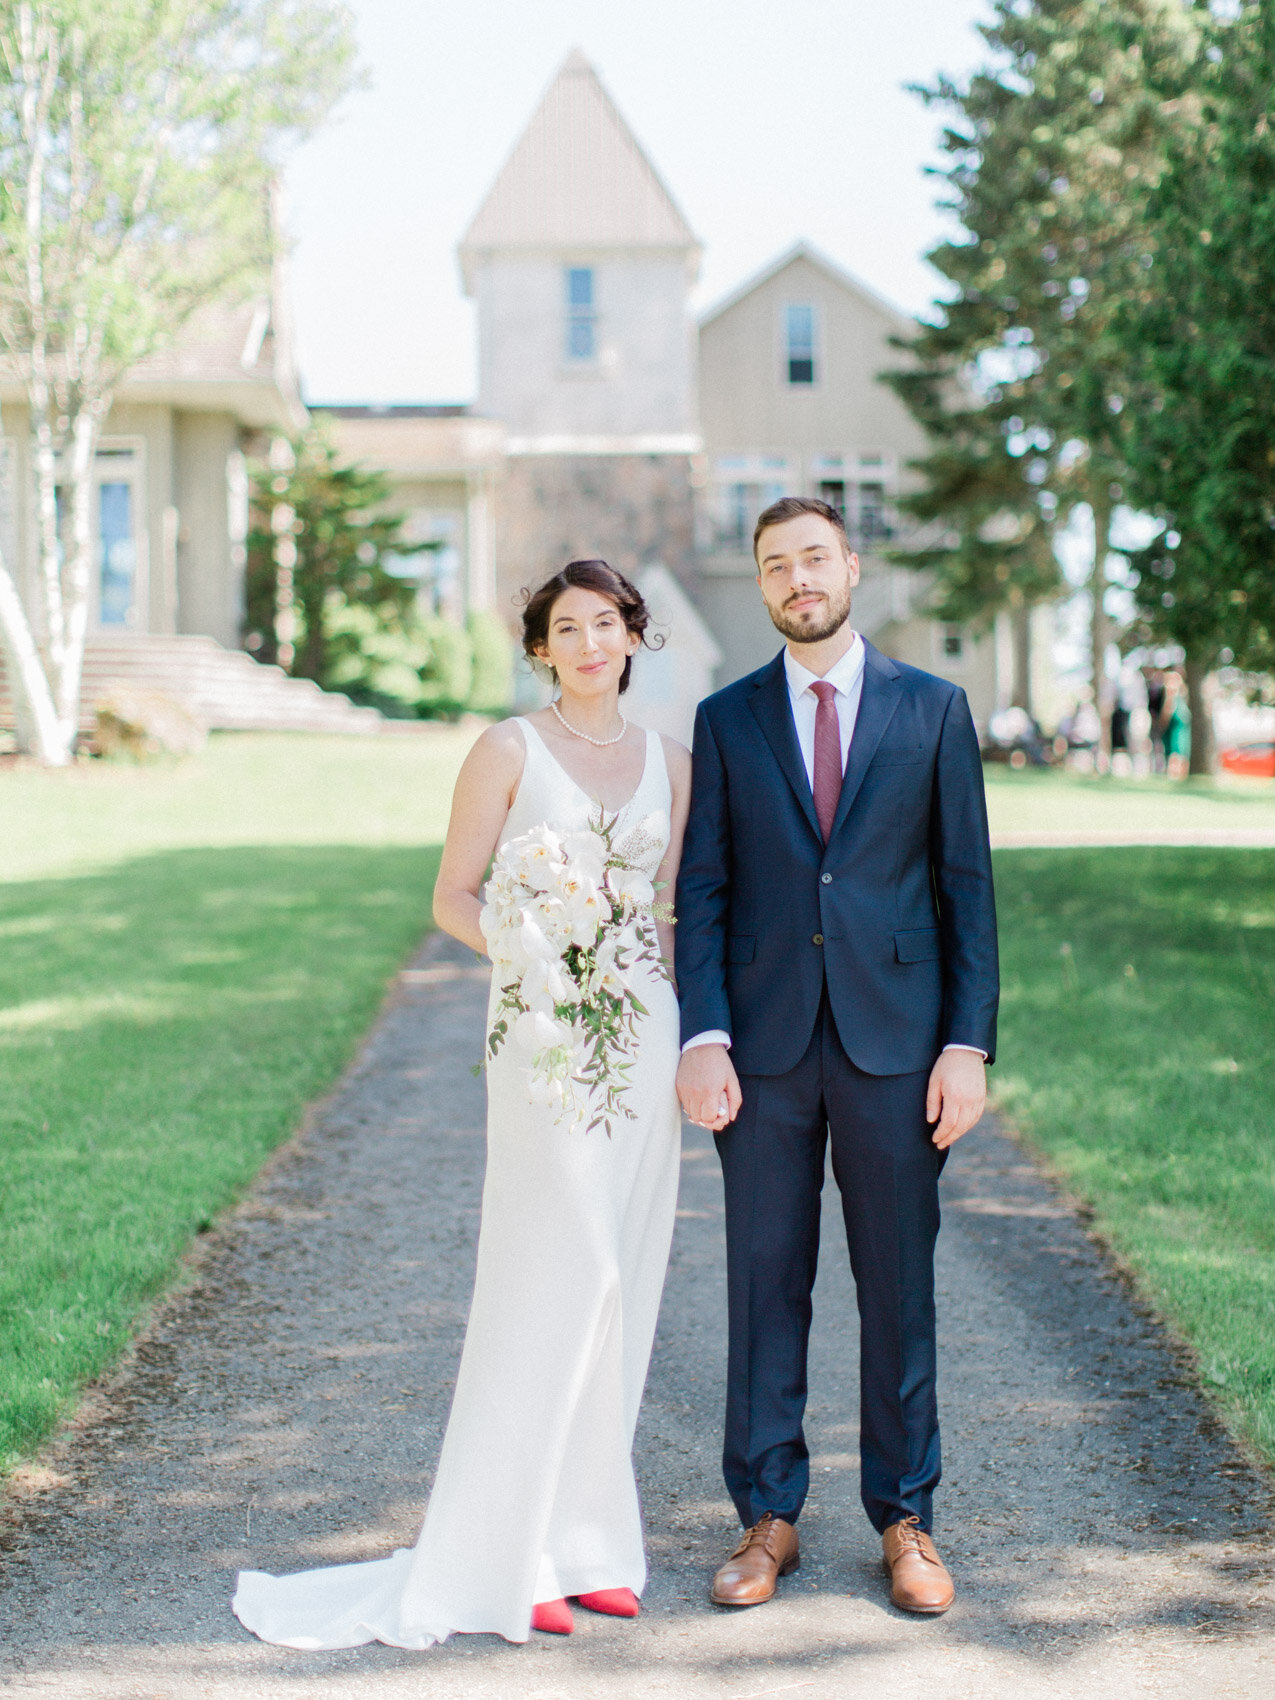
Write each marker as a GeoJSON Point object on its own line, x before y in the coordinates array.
{"type": "Point", "coordinates": [576, 732]}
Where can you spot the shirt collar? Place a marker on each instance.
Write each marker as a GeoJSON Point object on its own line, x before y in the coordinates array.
{"type": "Point", "coordinates": [842, 677]}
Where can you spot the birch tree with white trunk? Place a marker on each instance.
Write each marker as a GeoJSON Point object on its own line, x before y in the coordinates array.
{"type": "Point", "coordinates": [139, 144]}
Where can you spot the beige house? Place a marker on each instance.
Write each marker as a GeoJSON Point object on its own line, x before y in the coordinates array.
{"type": "Point", "coordinates": [171, 518]}
{"type": "Point", "coordinates": [791, 405]}
{"type": "Point", "coordinates": [172, 490]}
{"type": "Point", "coordinates": [607, 424]}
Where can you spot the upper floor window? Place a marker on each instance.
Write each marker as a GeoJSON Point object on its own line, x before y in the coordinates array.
{"type": "Point", "coordinates": [581, 338]}
{"type": "Point", "coordinates": [799, 333]}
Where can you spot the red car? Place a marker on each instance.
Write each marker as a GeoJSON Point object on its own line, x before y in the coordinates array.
{"type": "Point", "coordinates": [1255, 761]}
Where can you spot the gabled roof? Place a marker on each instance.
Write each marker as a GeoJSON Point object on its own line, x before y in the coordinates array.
{"type": "Point", "coordinates": [577, 178]}
{"type": "Point", "coordinates": [233, 357]}
{"type": "Point", "coordinates": [821, 262]}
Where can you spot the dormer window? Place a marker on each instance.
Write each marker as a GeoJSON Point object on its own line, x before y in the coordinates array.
{"type": "Point", "coordinates": [581, 337]}
{"type": "Point", "coordinates": [799, 330]}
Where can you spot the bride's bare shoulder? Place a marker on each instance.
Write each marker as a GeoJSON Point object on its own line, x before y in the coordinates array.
{"type": "Point", "coordinates": [499, 752]}
{"type": "Point", "coordinates": [677, 759]}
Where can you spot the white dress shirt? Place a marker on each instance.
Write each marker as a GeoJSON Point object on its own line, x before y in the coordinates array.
{"type": "Point", "coordinates": [846, 678]}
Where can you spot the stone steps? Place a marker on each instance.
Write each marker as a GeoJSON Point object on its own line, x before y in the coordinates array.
{"type": "Point", "coordinates": [225, 689]}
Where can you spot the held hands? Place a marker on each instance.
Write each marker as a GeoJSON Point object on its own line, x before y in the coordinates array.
{"type": "Point", "coordinates": [708, 1086]}
{"type": "Point", "coordinates": [957, 1095]}
{"type": "Point", "coordinates": [708, 1089]}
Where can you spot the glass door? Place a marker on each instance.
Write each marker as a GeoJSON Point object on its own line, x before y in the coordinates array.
{"type": "Point", "coordinates": [120, 551]}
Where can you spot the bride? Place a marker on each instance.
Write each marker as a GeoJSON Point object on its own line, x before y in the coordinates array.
{"type": "Point", "coordinates": [534, 1502]}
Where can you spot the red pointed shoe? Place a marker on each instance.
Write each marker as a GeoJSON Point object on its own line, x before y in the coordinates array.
{"type": "Point", "coordinates": [614, 1602]}
{"type": "Point", "coordinates": [553, 1617]}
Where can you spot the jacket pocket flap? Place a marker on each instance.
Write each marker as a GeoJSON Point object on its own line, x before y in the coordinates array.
{"type": "Point", "coordinates": [741, 947]}
{"type": "Point", "coordinates": [920, 944]}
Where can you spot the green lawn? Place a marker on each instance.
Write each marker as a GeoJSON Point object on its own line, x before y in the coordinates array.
{"type": "Point", "coordinates": [187, 956]}
{"type": "Point", "coordinates": [1052, 807]}
{"type": "Point", "coordinates": [1136, 1054]}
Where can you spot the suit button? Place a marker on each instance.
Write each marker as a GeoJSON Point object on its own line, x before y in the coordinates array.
{"type": "Point", "coordinates": [825, 879]}
{"type": "Point", "coordinates": [818, 939]}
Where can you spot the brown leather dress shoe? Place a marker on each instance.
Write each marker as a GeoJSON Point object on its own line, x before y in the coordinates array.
{"type": "Point", "coordinates": [767, 1551]}
{"type": "Point", "coordinates": [918, 1577]}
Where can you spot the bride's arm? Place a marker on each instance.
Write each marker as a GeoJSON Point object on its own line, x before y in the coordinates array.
{"type": "Point", "coordinates": [677, 759]}
{"type": "Point", "coordinates": [480, 806]}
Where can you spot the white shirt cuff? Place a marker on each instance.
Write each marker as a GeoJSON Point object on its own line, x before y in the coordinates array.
{"type": "Point", "coordinates": [714, 1036]}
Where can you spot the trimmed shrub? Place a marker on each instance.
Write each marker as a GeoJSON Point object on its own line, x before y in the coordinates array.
{"type": "Point", "coordinates": [448, 674]}
{"type": "Point", "coordinates": [492, 688]}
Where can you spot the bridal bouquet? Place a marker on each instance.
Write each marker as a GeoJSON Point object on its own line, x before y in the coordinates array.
{"type": "Point", "coordinates": [567, 920]}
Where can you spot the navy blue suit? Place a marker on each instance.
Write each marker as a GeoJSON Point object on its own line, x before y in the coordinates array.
{"type": "Point", "coordinates": [840, 971]}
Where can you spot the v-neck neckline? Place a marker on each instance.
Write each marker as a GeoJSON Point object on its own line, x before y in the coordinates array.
{"type": "Point", "coordinates": [596, 801]}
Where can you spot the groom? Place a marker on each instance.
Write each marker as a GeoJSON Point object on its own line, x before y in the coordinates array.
{"type": "Point", "coordinates": [836, 966]}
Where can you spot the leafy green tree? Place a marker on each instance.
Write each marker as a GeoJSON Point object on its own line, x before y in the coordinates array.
{"type": "Point", "coordinates": [344, 548]}
{"type": "Point", "coordinates": [1051, 151]}
{"type": "Point", "coordinates": [1199, 339]}
{"type": "Point", "coordinates": [139, 140]}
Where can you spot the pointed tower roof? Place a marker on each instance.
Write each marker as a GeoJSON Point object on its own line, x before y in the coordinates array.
{"type": "Point", "coordinates": [577, 178]}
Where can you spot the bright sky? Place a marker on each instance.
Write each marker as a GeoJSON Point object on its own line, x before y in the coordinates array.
{"type": "Point", "coordinates": [768, 122]}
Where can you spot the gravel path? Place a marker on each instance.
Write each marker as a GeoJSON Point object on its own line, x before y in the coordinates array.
{"type": "Point", "coordinates": [287, 1410]}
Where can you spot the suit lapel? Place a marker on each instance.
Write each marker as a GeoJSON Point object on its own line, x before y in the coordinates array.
{"type": "Point", "coordinates": [882, 686]}
{"type": "Point", "coordinates": [772, 707]}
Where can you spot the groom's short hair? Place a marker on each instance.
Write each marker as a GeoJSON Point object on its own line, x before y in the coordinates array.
{"type": "Point", "coordinates": [792, 507]}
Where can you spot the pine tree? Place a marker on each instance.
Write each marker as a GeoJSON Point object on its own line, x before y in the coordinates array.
{"type": "Point", "coordinates": [1051, 151]}
{"type": "Point", "coordinates": [346, 544]}
{"type": "Point", "coordinates": [1199, 338]}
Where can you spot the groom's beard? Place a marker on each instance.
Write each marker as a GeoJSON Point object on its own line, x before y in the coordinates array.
{"type": "Point", "coordinates": [816, 624]}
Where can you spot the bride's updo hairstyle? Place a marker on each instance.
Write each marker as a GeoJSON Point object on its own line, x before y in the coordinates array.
{"type": "Point", "coordinates": [538, 605]}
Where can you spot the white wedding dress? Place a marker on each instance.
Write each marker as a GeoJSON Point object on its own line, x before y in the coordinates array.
{"type": "Point", "coordinates": [535, 1497]}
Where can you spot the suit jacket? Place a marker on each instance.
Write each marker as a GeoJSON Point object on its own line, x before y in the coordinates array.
{"type": "Point", "coordinates": [896, 912]}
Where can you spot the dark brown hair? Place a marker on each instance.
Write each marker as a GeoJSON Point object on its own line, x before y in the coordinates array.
{"type": "Point", "coordinates": [537, 606]}
{"type": "Point", "coordinates": [792, 507]}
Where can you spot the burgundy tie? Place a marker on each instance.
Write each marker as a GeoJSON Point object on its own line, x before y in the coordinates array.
{"type": "Point", "coordinates": [827, 756]}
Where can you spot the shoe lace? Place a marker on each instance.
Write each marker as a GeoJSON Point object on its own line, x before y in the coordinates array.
{"type": "Point", "coordinates": [761, 1534]}
{"type": "Point", "coordinates": [912, 1538]}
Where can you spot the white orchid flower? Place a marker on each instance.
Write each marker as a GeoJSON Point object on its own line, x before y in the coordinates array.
{"type": "Point", "coordinates": [587, 911]}
{"type": "Point", "coordinates": [539, 1032]}
{"type": "Point", "coordinates": [631, 887]}
{"type": "Point", "coordinates": [534, 941]}
{"type": "Point", "coordinates": [536, 858]}
{"type": "Point", "coordinates": [544, 985]}
{"type": "Point", "coordinates": [586, 853]}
